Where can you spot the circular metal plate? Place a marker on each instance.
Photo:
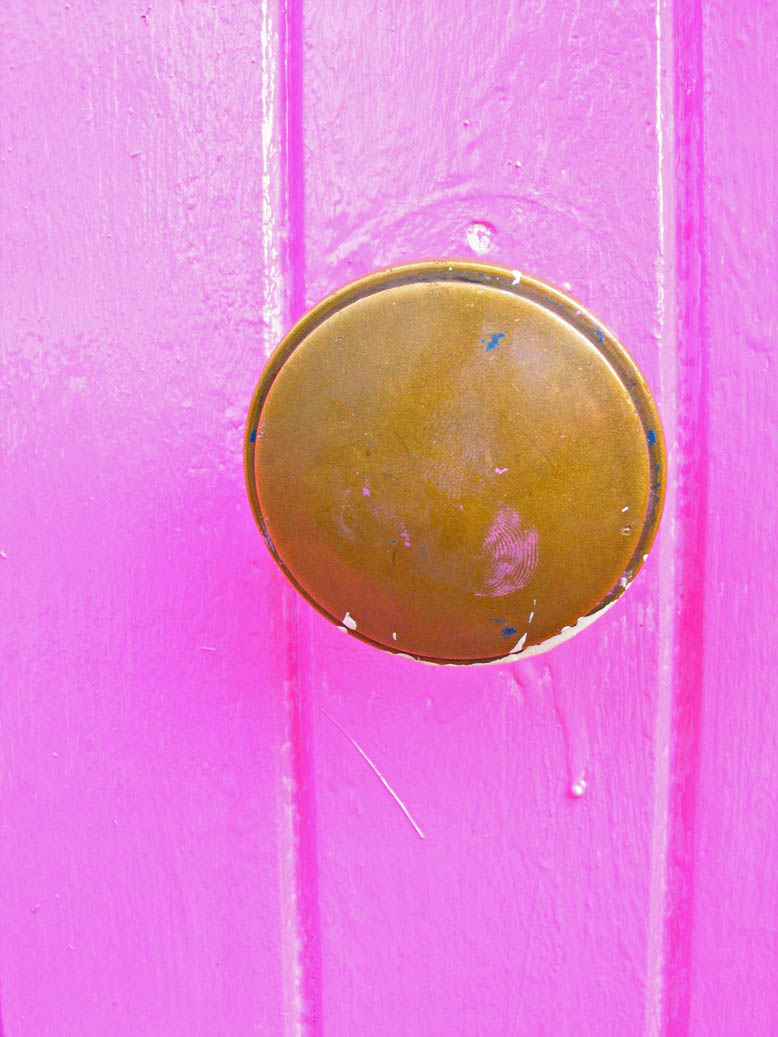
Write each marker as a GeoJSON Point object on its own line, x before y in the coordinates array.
{"type": "Point", "coordinates": [455, 462]}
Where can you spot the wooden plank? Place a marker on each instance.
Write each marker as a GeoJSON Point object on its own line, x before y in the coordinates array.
{"type": "Point", "coordinates": [728, 980]}
{"type": "Point", "coordinates": [464, 886]}
{"type": "Point", "coordinates": [146, 787]}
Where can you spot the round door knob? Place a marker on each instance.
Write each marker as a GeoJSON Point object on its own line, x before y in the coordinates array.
{"type": "Point", "coordinates": [455, 461]}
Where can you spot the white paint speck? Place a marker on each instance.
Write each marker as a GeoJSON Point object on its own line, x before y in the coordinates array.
{"type": "Point", "coordinates": [625, 508]}
{"type": "Point", "coordinates": [578, 788]}
{"type": "Point", "coordinates": [519, 644]}
{"type": "Point", "coordinates": [349, 621]}
{"type": "Point", "coordinates": [516, 276]}
{"type": "Point", "coordinates": [3, 554]}
{"type": "Point", "coordinates": [394, 635]}
{"type": "Point", "coordinates": [501, 471]}
{"type": "Point", "coordinates": [623, 582]}
{"type": "Point", "coordinates": [567, 286]}
{"type": "Point", "coordinates": [480, 238]}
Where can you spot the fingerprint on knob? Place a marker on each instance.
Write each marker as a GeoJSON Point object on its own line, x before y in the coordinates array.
{"type": "Point", "coordinates": [510, 551]}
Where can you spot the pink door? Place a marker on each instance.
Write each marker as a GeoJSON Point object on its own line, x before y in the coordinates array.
{"type": "Point", "coordinates": [221, 816]}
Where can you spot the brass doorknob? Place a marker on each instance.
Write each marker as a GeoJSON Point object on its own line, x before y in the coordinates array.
{"type": "Point", "coordinates": [455, 461]}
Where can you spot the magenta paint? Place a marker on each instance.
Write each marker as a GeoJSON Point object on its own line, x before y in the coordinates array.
{"type": "Point", "coordinates": [220, 815]}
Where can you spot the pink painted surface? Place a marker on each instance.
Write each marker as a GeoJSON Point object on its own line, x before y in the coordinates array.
{"type": "Point", "coordinates": [142, 724]}
{"type": "Point", "coordinates": [219, 814]}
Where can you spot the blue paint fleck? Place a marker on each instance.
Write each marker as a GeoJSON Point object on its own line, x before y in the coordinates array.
{"type": "Point", "coordinates": [509, 632]}
{"type": "Point", "coordinates": [651, 436]}
{"type": "Point", "coordinates": [253, 436]}
{"type": "Point", "coordinates": [494, 341]}
{"type": "Point", "coordinates": [599, 335]}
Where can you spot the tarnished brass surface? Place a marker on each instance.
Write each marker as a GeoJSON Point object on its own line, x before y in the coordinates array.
{"type": "Point", "coordinates": [454, 462]}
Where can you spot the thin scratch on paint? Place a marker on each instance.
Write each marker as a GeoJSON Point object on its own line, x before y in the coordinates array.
{"type": "Point", "coordinates": [501, 471]}
{"type": "Point", "coordinates": [376, 771]}
{"type": "Point", "coordinates": [207, 648]}
{"type": "Point", "coordinates": [349, 621]}
{"type": "Point", "coordinates": [494, 341]}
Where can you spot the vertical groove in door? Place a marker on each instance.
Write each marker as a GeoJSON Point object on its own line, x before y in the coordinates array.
{"type": "Point", "coordinates": [668, 573]}
{"type": "Point", "coordinates": [298, 859]}
{"type": "Point", "coordinates": [295, 155]}
{"type": "Point", "coordinates": [284, 256]}
{"type": "Point", "coordinates": [684, 373]}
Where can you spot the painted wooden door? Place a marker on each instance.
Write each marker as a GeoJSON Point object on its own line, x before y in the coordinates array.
{"type": "Point", "coordinates": [221, 816]}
